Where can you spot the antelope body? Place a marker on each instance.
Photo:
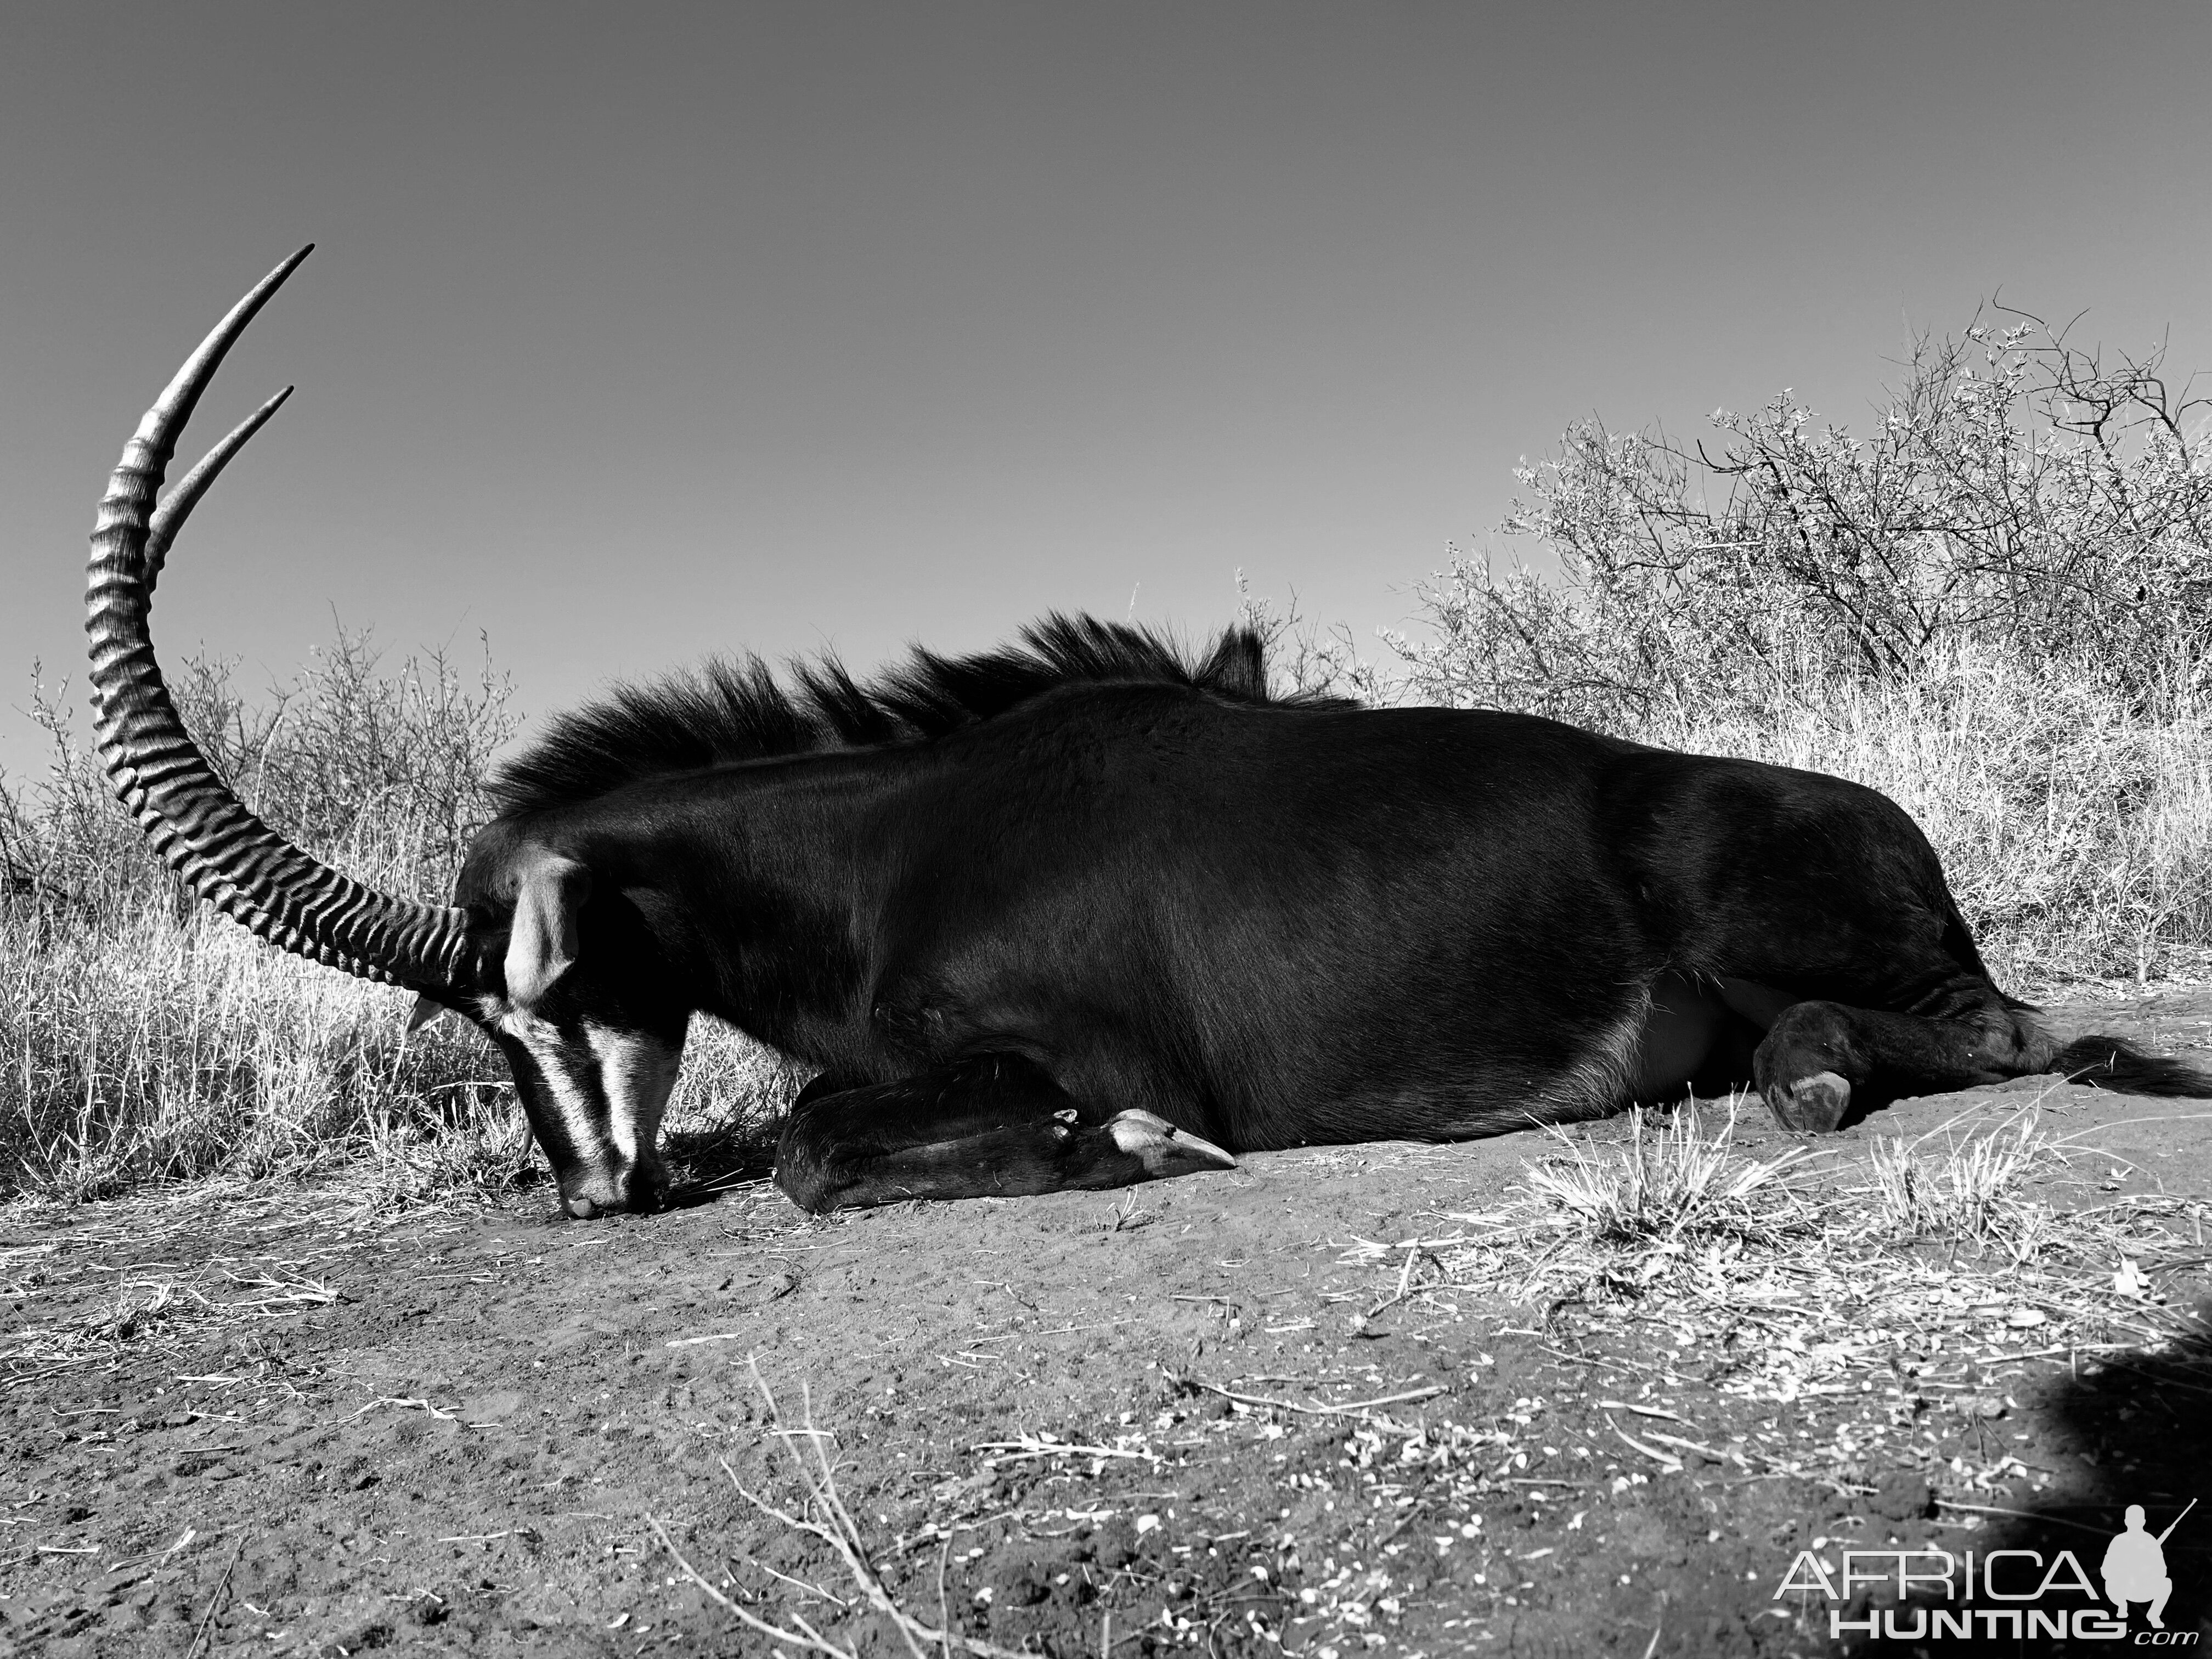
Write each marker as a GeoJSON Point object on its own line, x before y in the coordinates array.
{"type": "Point", "coordinates": [1085, 912]}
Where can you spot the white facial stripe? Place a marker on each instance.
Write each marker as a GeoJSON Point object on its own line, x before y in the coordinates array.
{"type": "Point", "coordinates": [567, 1070]}
{"type": "Point", "coordinates": [638, 1074]}
{"type": "Point", "coordinates": [569, 1076]}
{"type": "Point", "coordinates": [607, 1091]}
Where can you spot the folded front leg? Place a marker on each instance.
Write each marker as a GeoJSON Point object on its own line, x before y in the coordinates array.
{"type": "Point", "coordinates": [994, 1126]}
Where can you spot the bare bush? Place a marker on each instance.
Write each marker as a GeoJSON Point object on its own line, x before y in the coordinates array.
{"type": "Point", "coordinates": [1304, 658]}
{"type": "Point", "coordinates": [382, 770]}
{"type": "Point", "coordinates": [1995, 606]}
{"type": "Point", "coordinates": [2018, 496]}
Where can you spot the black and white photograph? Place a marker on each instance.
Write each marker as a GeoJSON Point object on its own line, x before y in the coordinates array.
{"type": "Point", "coordinates": [1105, 830]}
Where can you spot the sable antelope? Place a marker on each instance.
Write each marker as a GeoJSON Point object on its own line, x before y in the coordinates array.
{"type": "Point", "coordinates": [1085, 912]}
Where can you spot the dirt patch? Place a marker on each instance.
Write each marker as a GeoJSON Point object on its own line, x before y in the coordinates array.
{"type": "Point", "coordinates": [1250, 1413]}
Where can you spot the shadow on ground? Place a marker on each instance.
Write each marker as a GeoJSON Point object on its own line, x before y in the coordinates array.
{"type": "Point", "coordinates": [2129, 1429]}
{"type": "Point", "coordinates": [705, 1163]}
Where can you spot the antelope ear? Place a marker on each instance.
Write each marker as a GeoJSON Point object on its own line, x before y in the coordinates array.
{"type": "Point", "coordinates": [542, 943]}
{"type": "Point", "coordinates": [426, 1012]}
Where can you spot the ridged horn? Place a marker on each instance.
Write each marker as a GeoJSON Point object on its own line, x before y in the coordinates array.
{"type": "Point", "coordinates": [232, 859]}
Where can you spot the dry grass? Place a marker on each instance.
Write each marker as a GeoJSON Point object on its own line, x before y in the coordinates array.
{"type": "Point", "coordinates": [2074, 818]}
{"type": "Point", "coordinates": [1880, 1288]}
{"type": "Point", "coordinates": [1671, 1180]}
{"type": "Point", "coordinates": [159, 1049]}
{"type": "Point", "coordinates": [141, 1041]}
{"type": "Point", "coordinates": [1971, 1190]}
{"type": "Point", "coordinates": [1992, 602]}
{"type": "Point", "coordinates": [151, 1048]}
{"type": "Point", "coordinates": [144, 1040]}
{"type": "Point", "coordinates": [2075, 832]}
{"type": "Point", "coordinates": [155, 1286]}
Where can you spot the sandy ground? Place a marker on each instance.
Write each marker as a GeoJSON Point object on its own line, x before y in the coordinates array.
{"type": "Point", "coordinates": [280, 1425]}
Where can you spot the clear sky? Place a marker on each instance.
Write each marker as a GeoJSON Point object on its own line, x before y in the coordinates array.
{"type": "Point", "coordinates": [638, 330]}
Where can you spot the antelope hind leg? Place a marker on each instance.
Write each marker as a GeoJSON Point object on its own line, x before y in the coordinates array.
{"type": "Point", "coordinates": [1822, 1061]}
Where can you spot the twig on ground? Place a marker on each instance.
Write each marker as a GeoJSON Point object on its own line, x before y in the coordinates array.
{"type": "Point", "coordinates": [124, 1565]}
{"type": "Point", "coordinates": [214, 1602]}
{"type": "Point", "coordinates": [1698, 1447]}
{"type": "Point", "coordinates": [2026, 1515]}
{"type": "Point", "coordinates": [944, 1611]}
{"type": "Point", "coordinates": [1413, 1254]}
{"type": "Point", "coordinates": [798, 1584]}
{"type": "Point", "coordinates": [1643, 1411]}
{"type": "Point", "coordinates": [1030, 1446]}
{"type": "Point", "coordinates": [1352, 1409]}
{"type": "Point", "coordinates": [812, 1638]}
{"type": "Point", "coordinates": [1665, 1461]}
{"type": "Point", "coordinates": [842, 1533]}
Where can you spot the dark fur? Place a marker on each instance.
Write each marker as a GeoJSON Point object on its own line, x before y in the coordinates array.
{"type": "Point", "coordinates": [2109, 1063]}
{"type": "Point", "coordinates": [728, 711]}
{"type": "Point", "coordinates": [1057, 916]}
{"type": "Point", "coordinates": [1268, 922]}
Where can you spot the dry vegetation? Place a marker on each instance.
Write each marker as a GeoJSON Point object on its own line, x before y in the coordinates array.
{"type": "Point", "coordinates": [1994, 608]}
{"type": "Point", "coordinates": [1804, 1272]}
{"type": "Point", "coordinates": [1857, 1319]}
{"type": "Point", "coordinates": [1867, 1320]}
{"type": "Point", "coordinates": [143, 1038]}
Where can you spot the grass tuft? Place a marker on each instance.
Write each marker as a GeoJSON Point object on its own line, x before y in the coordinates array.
{"type": "Point", "coordinates": [1971, 1190]}
{"type": "Point", "coordinates": [1672, 1181]}
{"type": "Point", "coordinates": [144, 1039]}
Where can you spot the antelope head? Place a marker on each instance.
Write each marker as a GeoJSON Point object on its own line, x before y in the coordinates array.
{"type": "Point", "coordinates": [593, 1066]}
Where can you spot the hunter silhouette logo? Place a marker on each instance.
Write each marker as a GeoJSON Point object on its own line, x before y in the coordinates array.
{"type": "Point", "coordinates": [2016, 1594]}
{"type": "Point", "coordinates": [2134, 1565]}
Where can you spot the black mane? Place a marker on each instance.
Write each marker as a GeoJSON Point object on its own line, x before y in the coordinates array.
{"type": "Point", "coordinates": [734, 710]}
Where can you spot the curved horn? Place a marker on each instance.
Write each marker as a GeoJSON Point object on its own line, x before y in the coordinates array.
{"type": "Point", "coordinates": [232, 859]}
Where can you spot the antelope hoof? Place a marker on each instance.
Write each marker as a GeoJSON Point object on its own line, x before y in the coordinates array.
{"type": "Point", "coordinates": [1163, 1149]}
{"type": "Point", "coordinates": [1814, 1104]}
